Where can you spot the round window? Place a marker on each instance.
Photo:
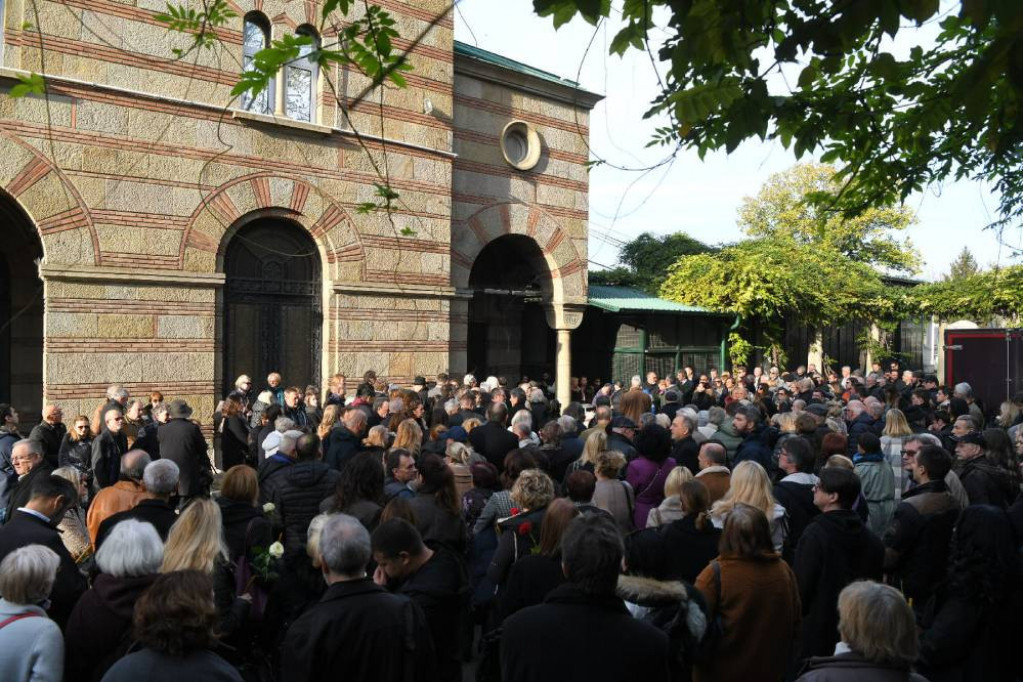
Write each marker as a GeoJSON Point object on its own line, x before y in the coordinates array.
{"type": "Point", "coordinates": [520, 145]}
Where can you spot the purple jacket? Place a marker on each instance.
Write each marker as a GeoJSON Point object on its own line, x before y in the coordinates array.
{"type": "Point", "coordinates": [647, 478]}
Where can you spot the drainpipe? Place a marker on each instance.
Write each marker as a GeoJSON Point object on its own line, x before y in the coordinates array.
{"type": "Point", "coordinates": [723, 355]}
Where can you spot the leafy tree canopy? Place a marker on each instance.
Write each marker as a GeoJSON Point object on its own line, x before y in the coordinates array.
{"type": "Point", "coordinates": [950, 109]}
{"type": "Point", "coordinates": [796, 204]}
{"type": "Point", "coordinates": [980, 296]}
{"type": "Point", "coordinates": [649, 256]}
{"type": "Point", "coordinates": [963, 266]}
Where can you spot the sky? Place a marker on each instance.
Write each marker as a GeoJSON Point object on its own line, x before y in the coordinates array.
{"type": "Point", "coordinates": [698, 197]}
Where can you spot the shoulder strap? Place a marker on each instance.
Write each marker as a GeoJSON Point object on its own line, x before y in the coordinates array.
{"type": "Point", "coordinates": [717, 580]}
{"type": "Point", "coordinates": [20, 616]}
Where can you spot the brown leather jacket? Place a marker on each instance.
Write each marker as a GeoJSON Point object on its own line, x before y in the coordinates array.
{"type": "Point", "coordinates": [119, 497]}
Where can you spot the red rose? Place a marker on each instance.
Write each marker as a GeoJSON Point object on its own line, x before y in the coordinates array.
{"type": "Point", "coordinates": [515, 511]}
{"type": "Point", "coordinates": [525, 528]}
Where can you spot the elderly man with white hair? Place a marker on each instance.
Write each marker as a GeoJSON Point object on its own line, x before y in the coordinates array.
{"type": "Point", "coordinates": [29, 465]}
{"type": "Point", "coordinates": [31, 646]}
{"type": "Point", "coordinates": [129, 561]}
{"type": "Point", "coordinates": [160, 479]}
{"type": "Point", "coordinates": [280, 457]}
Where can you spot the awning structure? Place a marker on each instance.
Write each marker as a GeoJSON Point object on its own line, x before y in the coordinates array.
{"type": "Point", "coordinates": [627, 299]}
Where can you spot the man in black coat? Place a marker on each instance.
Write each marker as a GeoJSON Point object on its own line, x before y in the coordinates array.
{"type": "Point", "coordinates": [836, 549]}
{"type": "Point", "coordinates": [182, 442]}
{"type": "Point", "coordinates": [917, 542]}
{"type": "Point", "coordinates": [29, 465]}
{"type": "Point", "coordinates": [985, 482]}
{"type": "Point", "coordinates": [795, 491]}
{"type": "Point", "coordinates": [36, 524]}
{"type": "Point", "coordinates": [754, 438]}
{"type": "Point", "coordinates": [493, 440]}
{"type": "Point", "coordinates": [357, 629]}
{"type": "Point", "coordinates": [161, 481]}
{"type": "Point", "coordinates": [108, 448]}
{"type": "Point", "coordinates": [345, 439]}
{"type": "Point", "coordinates": [684, 448]}
{"type": "Point", "coordinates": [555, 641]}
{"type": "Point", "coordinates": [434, 580]}
{"type": "Point", "coordinates": [306, 484]}
{"type": "Point", "coordinates": [623, 430]}
{"type": "Point", "coordinates": [49, 433]}
{"type": "Point", "coordinates": [280, 457]}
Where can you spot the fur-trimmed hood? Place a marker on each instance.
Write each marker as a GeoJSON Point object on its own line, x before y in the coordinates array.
{"type": "Point", "coordinates": [651, 592]}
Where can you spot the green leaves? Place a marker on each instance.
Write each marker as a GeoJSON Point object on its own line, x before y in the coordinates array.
{"type": "Point", "coordinates": [202, 23]}
{"type": "Point", "coordinates": [32, 84]}
{"type": "Point", "coordinates": [952, 109]}
{"type": "Point", "coordinates": [268, 61]}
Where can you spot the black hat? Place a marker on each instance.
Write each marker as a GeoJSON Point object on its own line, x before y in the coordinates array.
{"type": "Point", "coordinates": [179, 409]}
{"type": "Point", "coordinates": [817, 409]}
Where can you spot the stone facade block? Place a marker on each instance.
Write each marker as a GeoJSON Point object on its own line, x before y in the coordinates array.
{"type": "Point", "coordinates": [125, 326]}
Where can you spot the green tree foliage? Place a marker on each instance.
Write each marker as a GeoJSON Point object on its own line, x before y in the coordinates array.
{"type": "Point", "coordinates": [980, 296]}
{"type": "Point", "coordinates": [965, 265]}
{"type": "Point", "coordinates": [796, 204]}
{"type": "Point", "coordinates": [646, 260]}
{"type": "Point", "coordinates": [952, 108]}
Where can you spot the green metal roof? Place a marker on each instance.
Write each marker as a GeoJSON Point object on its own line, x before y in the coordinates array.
{"type": "Point", "coordinates": [626, 299]}
{"type": "Point", "coordinates": [496, 59]}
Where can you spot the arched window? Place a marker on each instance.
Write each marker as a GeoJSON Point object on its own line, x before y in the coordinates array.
{"type": "Point", "coordinates": [255, 37]}
{"type": "Point", "coordinates": [300, 80]}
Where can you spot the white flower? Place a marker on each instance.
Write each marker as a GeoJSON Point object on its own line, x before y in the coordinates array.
{"type": "Point", "coordinates": [269, 507]}
{"type": "Point", "coordinates": [276, 550]}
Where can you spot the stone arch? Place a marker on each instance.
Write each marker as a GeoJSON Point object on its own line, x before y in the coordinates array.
{"type": "Point", "coordinates": [263, 194]}
{"type": "Point", "coordinates": [567, 269]}
{"type": "Point", "coordinates": [51, 200]}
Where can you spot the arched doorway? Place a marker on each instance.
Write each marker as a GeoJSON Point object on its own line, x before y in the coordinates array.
{"type": "Point", "coordinates": [21, 314]}
{"type": "Point", "coordinates": [508, 333]}
{"type": "Point", "coordinates": [273, 312]}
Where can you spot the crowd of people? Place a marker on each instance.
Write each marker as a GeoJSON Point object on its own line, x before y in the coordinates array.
{"type": "Point", "coordinates": [723, 526]}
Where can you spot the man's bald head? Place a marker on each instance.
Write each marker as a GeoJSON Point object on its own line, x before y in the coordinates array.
{"type": "Point", "coordinates": [52, 414]}
{"type": "Point", "coordinates": [714, 454]}
{"type": "Point", "coordinates": [113, 420]}
{"type": "Point", "coordinates": [133, 465]}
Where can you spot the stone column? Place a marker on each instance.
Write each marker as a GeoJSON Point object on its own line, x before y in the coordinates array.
{"type": "Point", "coordinates": [564, 366]}
{"type": "Point", "coordinates": [564, 318]}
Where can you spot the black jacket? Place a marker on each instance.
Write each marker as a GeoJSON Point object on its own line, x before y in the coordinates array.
{"type": "Point", "coordinates": [160, 514]}
{"type": "Point", "coordinates": [49, 437]}
{"type": "Point", "coordinates": [361, 629]}
{"type": "Point", "coordinates": [529, 582]}
{"type": "Point", "coordinates": [440, 589]}
{"type": "Point", "coordinates": [964, 639]}
{"type": "Point", "coordinates": [986, 483]}
{"type": "Point", "coordinates": [621, 443]}
{"type": "Point", "coordinates": [686, 453]}
{"type": "Point", "coordinates": [25, 529]}
{"type": "Point", "coordinates": [148, 439]}
{"type": "Point", "coordinates": [835, 550]}
{"type": "Point", "coordinates": [344, 445]}
{"type": "Point", "coordinates": [99, 631]}
{"type": "Point", "coordinates": [546, 643]}
{"type": "Point", "coordinates": [234, 441]}
{"type": "Point", "coordinates": [22, 490]}
{"type": "Point", "coordinates": [493, 441]}
{"type": "Point", "coordinates": [916, 544]}
{"type": "Point", "coordinates": [271, 476]}
{"type": "Point", "coordinates": [797, 498]}
{"type": "Point", "coordinates": [305, 485]}
{"type": "Point", "coordinates": [107, 449]}
{"type": "Point", "coordinates": [245, 528]}
{"type": "Point", "coordinates": [754, 446]}
{"type": "Point", "coordinates": [182, 442]}
{"type": "Point", "coordinates": [679, 550]}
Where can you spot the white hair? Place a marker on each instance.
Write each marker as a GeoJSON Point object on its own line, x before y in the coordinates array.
{"type": "Point", "coordinates": [27, 574]}
{"type": "Point", "coordinates": [662, 420]}
{"type": "Point", "coordinates": [568, 423]}
{"type": "Point", "coordinates": [636, 380]}
{"type": "Point", "coordinates": [117, 392]}
{"type": "Point", "coordinates": [132, 549]}
{"type": "Point", "coordinates": [161, 477]}
{"type": "Point", "coordinates": [469, 379]}
{"type": "Point", "coordinates": [345, 545]}
{"type": "Point", "coordinates": [451, 406]}
{"type": "Point", "coordinates": [243, 379]}
{"type": "Point", "coordinates": [282, 424]}
{"type": "Point", "coordinates": [523, 417]}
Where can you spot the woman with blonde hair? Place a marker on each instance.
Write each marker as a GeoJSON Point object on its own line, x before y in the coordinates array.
{"type": "Point", "coordinates": [409, 437]}
{"type": "Point", "coordinates": [893, 437]}
{"type": "Point", "coordinates": [458, 456]}
{"type": "Point", "coordinates": [611, 494]}
{"type": "Point", "coordinates": [330, 416]}
{"type": "Point", "coordinates": [196, 543]}
{"type": "Point", "coordinates": [671, 508]}
{"type": "Point", "coordinates": [470, 424]}
{"type": "Point", "coordinates": [595, 444]}
{"type": "Point", "coordinates": [751, 485]}
{"type": "Point", "coordinates": [74, 532]}
{"type": "Point", "coordinates": [76, 448]}
{"type": "Point", "coordinates": [377, 438]}
{"type": "Point", "coordinates": [532, 491]}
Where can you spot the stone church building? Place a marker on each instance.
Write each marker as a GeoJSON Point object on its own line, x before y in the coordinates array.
{"type": "Point", "coordinates": [160, 234]}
